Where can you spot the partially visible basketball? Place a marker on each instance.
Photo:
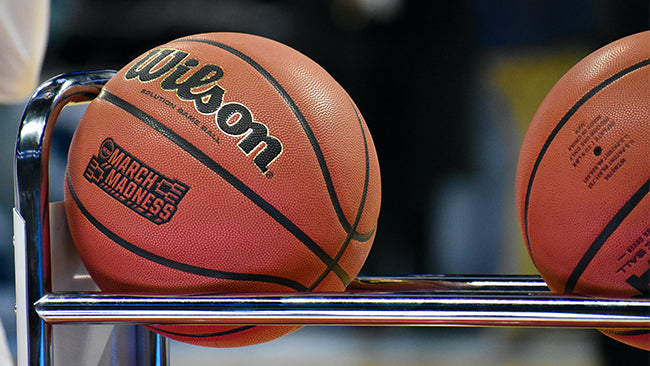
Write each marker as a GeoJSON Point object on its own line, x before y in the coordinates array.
{"type": "Point", "coordinates": [222, 162]}
{"type": "Point", "coordinates": [583, 179]}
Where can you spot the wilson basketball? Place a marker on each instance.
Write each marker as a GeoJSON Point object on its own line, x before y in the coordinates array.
{"type": "Point", "coordinates": [222, 162]}
{"type": "Point", "coordinates": [583, 179]}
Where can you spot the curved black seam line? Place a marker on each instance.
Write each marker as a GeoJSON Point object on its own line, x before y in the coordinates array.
{"type": "Point", "coordinates": [204, 335]}
{"type": "Point", "coordinates": [605, 234]}
{"type": "Point", "coordinates": [633, 332]}
{"type": "Point", "coordinates": [229, 177]}
{"type": "Point", "coordinates": [174, 264]}
{"type": "Point", "coordinates": [362, 203]}
{"type": "Point", "coordinates": [305, 126]}
{"type": "Point", "coordinates": [557, 129]}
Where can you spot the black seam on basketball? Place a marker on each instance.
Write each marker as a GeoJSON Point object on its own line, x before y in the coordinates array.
{"type": "Point", "coordinates": [557, 129]}
{"type": "Point", "coordinates": [229, 177]}
{"type": "Point", "coordinates": [203, 335]}
{"type": "Point", "coordinates": [362, 203]}
{"type": "Point", "coordinates": [632, 332]}
{"type": "Point", "coordinates": [184, 267]}
{"type": "Point", "coordinates": [361, 237]}
{"type": "Point", "coordinates": [609, 229]}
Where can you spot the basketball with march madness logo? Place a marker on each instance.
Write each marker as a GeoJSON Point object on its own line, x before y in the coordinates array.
{"type": "Point", "coordinates": [222, 162]}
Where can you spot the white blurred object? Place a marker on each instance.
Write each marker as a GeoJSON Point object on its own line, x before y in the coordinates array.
{"type": "Point", "coordinates": [6, 359]}
{"type": "Point", "coordinates": [24, 26]}
{"type": "Point", "coordinates": [382, 10]}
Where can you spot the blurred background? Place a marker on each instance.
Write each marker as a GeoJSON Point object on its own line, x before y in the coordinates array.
{"type": "Point", "coordinates": [447, 89]}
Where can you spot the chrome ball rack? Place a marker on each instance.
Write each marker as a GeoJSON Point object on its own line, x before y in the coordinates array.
{"type": "Point", "coordinates": [467, 301]}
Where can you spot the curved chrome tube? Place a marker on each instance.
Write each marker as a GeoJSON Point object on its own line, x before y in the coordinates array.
{"type": "Point", "coordinates": [31, 198]}
{"type": "Point", "coordinates": [31, 214]}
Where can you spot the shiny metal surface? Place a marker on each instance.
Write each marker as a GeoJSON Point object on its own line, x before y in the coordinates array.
{"type": "Point", "coordinates": [510, 284]}
{"type": "Point", "coordinates": [435, 302]}
{"type": "Point", "coordinates": [31, 185]}
{"type": "Point", "coordinates": [31, 194]}
{"type": "Point", "coordinates": [151, 348]}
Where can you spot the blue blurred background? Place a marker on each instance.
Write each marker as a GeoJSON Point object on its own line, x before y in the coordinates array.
{"type": "Point", "coordinates": [447, 89]}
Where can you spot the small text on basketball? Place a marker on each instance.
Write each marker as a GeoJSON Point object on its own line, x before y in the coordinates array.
{"type": "Point", "coordinates": [134, 184]}
{"type": "Point", "coordinates": [199, 85]}
{"type": "Point", "coordinates": [634, 252]}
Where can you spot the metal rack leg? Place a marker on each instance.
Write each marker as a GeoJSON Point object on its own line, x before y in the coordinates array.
{"type": "Point", "coordinates": [152, 348]}
{"type": "Point", "coordinates": [31, 219]}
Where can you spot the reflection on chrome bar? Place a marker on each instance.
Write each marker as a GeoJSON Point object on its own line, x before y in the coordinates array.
{"type": "Point", "coordinates": [407, 301]}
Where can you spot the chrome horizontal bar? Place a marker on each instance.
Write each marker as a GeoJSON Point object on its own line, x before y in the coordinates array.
{"type": "Point", "coordinates": [478, 283]}
{"type": "Point", "coordinates": [447, 307]}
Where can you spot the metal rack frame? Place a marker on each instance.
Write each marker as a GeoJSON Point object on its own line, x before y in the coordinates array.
{"type": "Point", "coordinates": [481, 301]}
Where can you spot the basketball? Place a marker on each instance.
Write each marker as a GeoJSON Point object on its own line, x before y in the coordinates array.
{"type": "Point", "coordinates": [583, 178]}
{"type": "Point", "coordinates": [220, 163]}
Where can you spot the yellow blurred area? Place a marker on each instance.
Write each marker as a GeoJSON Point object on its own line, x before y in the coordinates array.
{"type": "Point", "coordinates": [526, 77]}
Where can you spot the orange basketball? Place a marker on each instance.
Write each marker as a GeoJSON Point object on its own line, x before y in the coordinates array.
{"type": "Point", "coordinates": [583, 179]}
{"type": "Point", "coordinates": [222, 162]}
